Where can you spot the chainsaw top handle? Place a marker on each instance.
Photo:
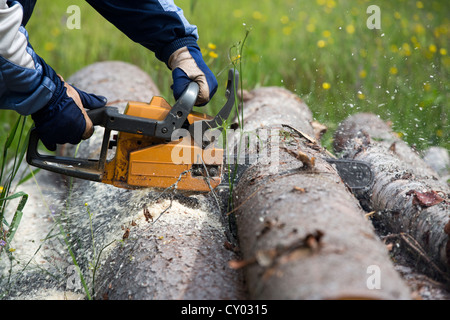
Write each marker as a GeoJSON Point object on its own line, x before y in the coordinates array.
{"type": "Point", "coordinates": [110, 118]}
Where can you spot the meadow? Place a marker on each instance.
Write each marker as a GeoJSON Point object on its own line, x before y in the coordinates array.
{"type": "Point", "coordinates": [322, 50]}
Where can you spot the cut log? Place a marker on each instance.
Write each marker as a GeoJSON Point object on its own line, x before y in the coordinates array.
{"type": "Point", "coordinates": [155, 245]}
{"type": "Point", "coordinates": [128, 244]}
{"type": "Point", "coordinates": [302, 234]}
{"type": "Point", "coordinates": [409, 198]}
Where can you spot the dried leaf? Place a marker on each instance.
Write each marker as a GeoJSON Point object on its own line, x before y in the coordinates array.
{"type": "Point", "coordinates": [147, 215]}
{"type": "Point", "coordinates": [308, 162]}
{"type": "Point", "coordinates": [447, 228]}
{"type": "Point", "coordinates": [126, 234]}
{"type": "Point", "coordinates": [425, 199]}
{"type": "Point", "coordinates": [238, 264]}
{"type": "Point", "coordinates": [299, 189]}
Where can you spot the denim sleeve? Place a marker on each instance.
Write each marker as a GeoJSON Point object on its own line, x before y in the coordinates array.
{"type": "Point", "coordinates": [158, 25]}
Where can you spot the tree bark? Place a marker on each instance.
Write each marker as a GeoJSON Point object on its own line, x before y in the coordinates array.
{"type": "Point", "coordinates": [301, 232]}
{"type": "Point", "coordinates": [164, 246]}
{"type": "Point", "coordinates": [409, 198]}
{"type": "Point", "coordinates": [128, 244]}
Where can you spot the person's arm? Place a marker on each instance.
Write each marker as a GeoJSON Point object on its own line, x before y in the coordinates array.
{"type": "Point", "coordinates": [161, 26]}
{"type": "Point", "coordinates": [158, 25]}
{"type": "Point", "coordinates": [23, 84]}
{"type": "Point", "coordinates": [31, 87]}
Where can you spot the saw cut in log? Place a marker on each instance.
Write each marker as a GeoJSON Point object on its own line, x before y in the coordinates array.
{"type": "Point", "coordinates": [408, 197]}
{"type": "Point", "coordinates": [144, 244]}
{"type": "Point", "coordinates": [302, 234]}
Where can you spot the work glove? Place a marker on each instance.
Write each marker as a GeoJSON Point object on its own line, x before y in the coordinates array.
{"type": "Point", "coordinates": [187, 65]}
{"type": "Point", "coordinates": [64, 119]}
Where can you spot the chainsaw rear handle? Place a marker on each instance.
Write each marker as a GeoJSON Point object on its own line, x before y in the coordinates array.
{"type": "Point", "coordinates": [80, 168]}
{"type": "Point", "coordinates": [111, 119]}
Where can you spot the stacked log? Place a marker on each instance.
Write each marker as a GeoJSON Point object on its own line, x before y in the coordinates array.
{"type": "Point", "coordinates": [126, 244]}
{"type": "Point", "coordinates": [408, 199]}
{"type": "Point", "coordinates": [156, 245]}
{"type": "Point", "coordinates": [302, 234]}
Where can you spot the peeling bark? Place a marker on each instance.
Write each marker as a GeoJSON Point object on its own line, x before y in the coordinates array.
{"type": "Point", "coordinates": [407, 194]}
{"type": "Point", "coordinates": [301, 232]}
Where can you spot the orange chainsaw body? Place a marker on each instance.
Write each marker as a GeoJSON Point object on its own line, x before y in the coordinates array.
{"type": "Point", "coordinates": [143, 161]}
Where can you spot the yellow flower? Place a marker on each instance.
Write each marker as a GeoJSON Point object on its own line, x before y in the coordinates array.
{"type": "Point", "coordinates": [415, 42]}
{"type": "Point", "coordinates": [432, 48]}
{"type": "Point", "coordinates": [212, 46]}
{"type": "Point", "coordinates": [426, 86]}
{"type": "Point", "coordinates": [55, 32]}
{"type": "Point", "coordinates": [419, 28]}
{"type": "Point", "coordinates": [406, 49]}
{"type": "Point", "coordinates": [361, 95]}
{"type": "Point", "coordinates": [393, 70]}
{"type": "Point", "coordinates": [284, 19]}
{"type": "Point", "coordinates": [287, 30]}
{"type": "Point", "coordinates": [213, 55]}
{"type": "Point", "coordinates": [350, 29]}
{"type": "Point", "coordinates": [326, 33]}
{"type": "Point", "coordinates": [419, 5]}
{"type": "Point", "coordinates": [1, 188]}
{"type": "Point", "coordinates": [439, 133]}
{"type": "Point", "coordinates": [236, 58]}
{"type": "Point", "coordinates": [257, 15]}
{"type": "Point", "coordinates": [310, 27]}
{"type": "Point", "coordinates": [443, 51]}
{"type": "Point", "coordinates": [331, 4]}
{"type": "Point", "coordinates": [321, 43]}
{"type": "Point", "coordinates": [393, 48]}
{"type": "Point", "coordinates": [363, 74]}
{"type": "Point", "coordinates": [326, 85]}
{"type": "Point", "coordinates": [12, 250]}
{"type": "Point", "coordinates": [49, 46]}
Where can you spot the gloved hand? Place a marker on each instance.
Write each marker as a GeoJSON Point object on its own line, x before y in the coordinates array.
{"type": "Point", "coordinates": [64, 119]}
{"type": "Point", "coordinates": [187, 65]}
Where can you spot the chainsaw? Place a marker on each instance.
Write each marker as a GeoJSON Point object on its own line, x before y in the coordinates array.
{"type": "Point", "coordinates": [152, 145]}
{"type": "Point", "coordinates": [159, 146]}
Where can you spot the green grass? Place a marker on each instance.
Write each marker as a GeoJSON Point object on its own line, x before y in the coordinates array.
{"type": "Point", "coordinates": [320, 49]}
